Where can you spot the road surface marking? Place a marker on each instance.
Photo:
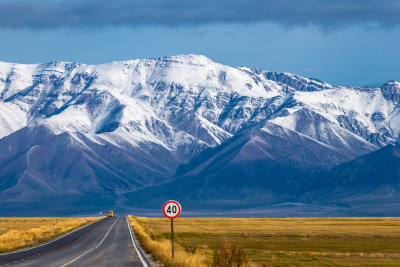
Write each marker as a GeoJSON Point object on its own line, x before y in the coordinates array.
{"type": "Point", "coordinates": [33, 256]}
{"type": "Point", "coordinates": [77, 258]}
{"type": "Point", "coordinates": [134, 245]}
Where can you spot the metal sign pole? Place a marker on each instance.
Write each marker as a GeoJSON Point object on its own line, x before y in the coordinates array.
{"type": "Point", "coordinates": [172, 236]}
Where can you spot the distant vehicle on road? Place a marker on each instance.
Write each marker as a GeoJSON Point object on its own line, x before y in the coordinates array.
{"type": "Point", "coordinates": [110, 213]}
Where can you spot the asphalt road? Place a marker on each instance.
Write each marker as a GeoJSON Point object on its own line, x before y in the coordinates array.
{"type": "Point", "coordinates": [107, 242]}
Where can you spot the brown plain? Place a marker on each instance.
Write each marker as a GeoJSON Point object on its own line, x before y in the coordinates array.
{"type": "Point", "coordinates": [284, 242]}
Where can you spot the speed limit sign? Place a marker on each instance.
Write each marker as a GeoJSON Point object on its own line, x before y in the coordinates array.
{"type": "Point", "coordinates": [172, 209]}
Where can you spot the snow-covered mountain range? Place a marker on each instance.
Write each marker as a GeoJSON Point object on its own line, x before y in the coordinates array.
{"type": "Point", "coordinates": [138, 132]}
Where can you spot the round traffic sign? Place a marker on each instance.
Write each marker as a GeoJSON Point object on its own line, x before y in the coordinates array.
{"type": "Point", "coordinates": [172, 209]}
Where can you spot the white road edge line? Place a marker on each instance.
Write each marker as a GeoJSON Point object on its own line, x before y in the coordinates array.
{"type": "Point", "coordinates": [77, 258]}
{"type": "Point", "coordinates": [134, 244]}
{"type": "Point", "coordinates": [52, 240]}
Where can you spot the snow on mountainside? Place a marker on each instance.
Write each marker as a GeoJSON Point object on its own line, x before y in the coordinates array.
{"type": "Point", "coordinates": [155, 115]}
{"type": "Point", "coordinates": [218, 100]}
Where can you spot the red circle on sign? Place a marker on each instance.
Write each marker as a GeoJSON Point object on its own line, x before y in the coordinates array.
{"type": "Point", "coordinates": [174, 203]}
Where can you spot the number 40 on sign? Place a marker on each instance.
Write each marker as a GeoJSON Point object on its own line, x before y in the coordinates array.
{"type": "Point", "coordinates": [172, 209]}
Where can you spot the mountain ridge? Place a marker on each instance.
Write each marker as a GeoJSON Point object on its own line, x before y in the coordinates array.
{"type": "Point", "coordinates": [141, 122]}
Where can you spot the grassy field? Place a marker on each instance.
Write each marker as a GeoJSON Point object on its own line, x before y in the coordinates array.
{"type": "Point", "coordinates": [279, 242]}
{"type": "Point", "coordinates": [16, 233]}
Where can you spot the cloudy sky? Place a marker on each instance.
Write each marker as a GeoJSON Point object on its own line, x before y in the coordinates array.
{"type": "Point", "coordinates": [353, 42]}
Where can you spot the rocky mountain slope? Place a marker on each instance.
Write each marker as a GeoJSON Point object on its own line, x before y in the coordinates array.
{"type": "Point", "coordinates": [92, 135]}
{"type": "Point", "coordinates": [369, 184]}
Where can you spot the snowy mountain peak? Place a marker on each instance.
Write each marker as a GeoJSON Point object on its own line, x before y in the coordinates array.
{"type": "Point", "coordinates": [188, 58]}
{"type": "Point", "coordinates": [391, 91]}
{"type": "Point", "coordinates": [297, 83]}
{"type": "Point", "coordinates": [193, 97]}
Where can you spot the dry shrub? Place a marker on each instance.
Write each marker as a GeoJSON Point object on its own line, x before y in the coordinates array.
{"type": "Point", "coordinates": [229, 257]}
{"type": "Point", "coordinates": [161, 249]}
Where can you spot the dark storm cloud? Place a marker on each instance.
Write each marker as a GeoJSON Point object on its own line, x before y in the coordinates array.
{"type": "Point", "coordinates": [98, 13]}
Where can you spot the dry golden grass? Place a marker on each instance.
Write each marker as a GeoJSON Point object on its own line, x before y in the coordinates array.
{"type": "Point", "coordinates": [16, 233]}
{"type": "Point", "coordinates": [160, 248]}
{"type": "Point", "coordinates": [287, 242]}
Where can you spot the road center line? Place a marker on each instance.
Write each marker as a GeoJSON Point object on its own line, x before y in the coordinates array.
{"type": "Point", "coordinates": [77, 258]}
